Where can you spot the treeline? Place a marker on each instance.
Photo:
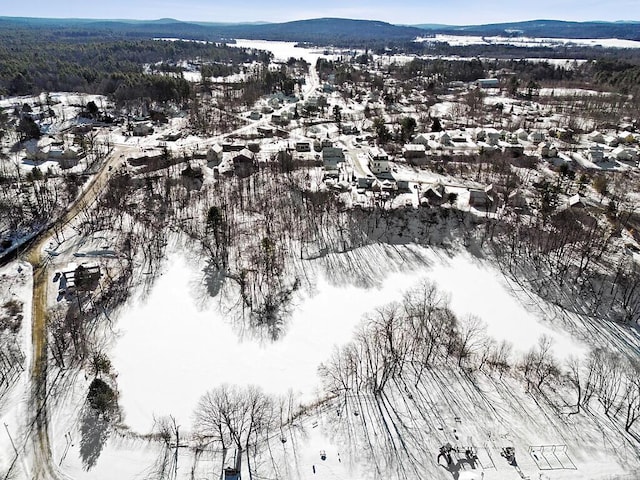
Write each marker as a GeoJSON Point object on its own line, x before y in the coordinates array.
{"type": "Point", "coordinates": [31, 62]}
{"type": "Point", "coordinates": [503, 51]}
{"type": "Point", "coordinates": [622, 75]}
{"type": "Point", "coordinates": [413, 362]}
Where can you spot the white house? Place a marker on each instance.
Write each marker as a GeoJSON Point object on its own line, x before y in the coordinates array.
{"type": "Point", "coordinates": [576, 201]}
{"type": "Point", "coordinates": [596, 137]}
{"type": "Point", "coordinates": [611, 141]}
{"type": "Point", "coordinates": [595, 153]}
{"type": "Point", "coordinates": [379, 161]}
{"type": "Point", "coordinates": [625, 154]}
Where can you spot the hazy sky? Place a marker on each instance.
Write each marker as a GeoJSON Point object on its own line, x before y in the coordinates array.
{"type": "Point", "coordinates": [455, 12]}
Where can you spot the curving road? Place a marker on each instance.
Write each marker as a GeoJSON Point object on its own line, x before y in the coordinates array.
{"type": "Point", "coordinates": [43, 466]}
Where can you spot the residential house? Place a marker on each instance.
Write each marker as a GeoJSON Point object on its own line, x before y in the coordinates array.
{"type": "Point", "coordinates": [625, 154]}
{"type": "Point", "coordinates": [233, 147]}
{"type": "Point", "coordinates": [513, 149]}
{"type": "Point", "coordinates": [349, 129]}
{"type": "Point", "coordinates": [595, 153]}
{"type": "Point", "coordinates": [492, 136]}
{"type": "Point", "coordinates": [521, 134]}
{"type": "Point", "coordinates": [326, 143]}
{"type": "Point", "coordinates": [266, 131]}
{"type": "Point", "coordinates": [366, 182]}
{"type": "Point", "coordinates": [379, 161]}
{"type": "Point", "coordinates": [38, 150]}
{"type": "Point", "coordinates": [70, 157]}
{"type": "Point", "coordinates": [481, 197]}
{"type": "Point", "coordinates": [415, 153]}
{"type": "Point", "coordinates": [421, 139]}
{"type": "Point", "coordinates": [173, 136]}
{"type": "Point", "coordinates": [331, 157]}
{"type": "Point", "coordinates": [244, 162]}
{"type": "Point", "coordinates": [547, 150]}
{"type": "Point", "coordinates": [595, 137]}
{"type": "Point", "coordinates": [214, 154]}
{"type": "Point", "coordinates": [626, 137]}
{"type": "Point", "coordinates": [611, 141]}
{"type": "Point", "coordinates": [536, 137]}
{"type": "Point", "coordinates": [517, 200]}
{"type": "Point", "coordinates": [141, 129]}
{"type": "Point", "coordinates": [434, 194]}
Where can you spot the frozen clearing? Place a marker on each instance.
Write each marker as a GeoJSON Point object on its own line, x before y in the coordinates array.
{"type": "Point", "coordinates": [461, 40]}
{"type": "Point", "coordinates": [284, 50]}
{"type": "Point", "coordinates": [170, 351]}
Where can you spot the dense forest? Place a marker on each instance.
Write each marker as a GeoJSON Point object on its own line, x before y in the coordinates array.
{"type": "Point", "coordinates": [32, 61]}
{"type": "Point", "coordinates": [116, 58]}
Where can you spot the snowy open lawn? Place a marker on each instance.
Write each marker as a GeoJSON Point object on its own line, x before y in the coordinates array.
{"type": "Point", "coordinates": [170, 351]}
{"type": "Point", "coordinates": [16, 285]}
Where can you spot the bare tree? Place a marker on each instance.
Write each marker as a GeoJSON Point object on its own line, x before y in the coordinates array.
{"type": "Point", "coordinates": [236, 417]}
{"type": "Point", "coordinates": [470, 338]}
{"type": "Point", "coordinates": [539, 366]}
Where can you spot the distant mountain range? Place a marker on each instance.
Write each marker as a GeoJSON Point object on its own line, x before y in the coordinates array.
{"type": "Point", "coordinates": [326, 31]}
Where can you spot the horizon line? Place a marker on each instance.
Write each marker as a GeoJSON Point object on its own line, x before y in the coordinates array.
{"type": "Point", "coordinates": [254, 22]}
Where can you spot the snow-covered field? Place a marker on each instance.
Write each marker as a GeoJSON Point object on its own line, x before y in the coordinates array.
{"type": "Point", "coordinates": [16, 284]}
{"type": "Point", "coordinates": [282, 51]}
{"type": "Point", "coordinates": [172, 346]}
{"type": "Point", "coordinates": [461, 40]}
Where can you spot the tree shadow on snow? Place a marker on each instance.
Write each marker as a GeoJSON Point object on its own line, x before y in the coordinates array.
{"type": "Point", "coordinates": [213, 278]}
{"type": "Point", "coordinates": [94, 433]}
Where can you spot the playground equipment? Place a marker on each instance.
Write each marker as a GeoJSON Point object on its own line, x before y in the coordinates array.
{"type": "Point", "coordinates": [551, 457]}
{"type": "Point", "coordinates": [510, 454]}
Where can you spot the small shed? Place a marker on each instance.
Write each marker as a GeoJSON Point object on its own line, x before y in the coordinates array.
{"type": "Point", "coordinates": [576, 201]}
{"type": "Point", "coordinates": [231, 474]}
{"type": "Point", "coordinates": [303, 147]}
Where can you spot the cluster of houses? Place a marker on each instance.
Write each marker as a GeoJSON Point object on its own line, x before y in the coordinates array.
{"type": "Point", "coordinates": [47, 148]}
{"type": "Point", "coordinates": [622, 147]}
{"type": "Point", "coordinates": [595, 147]}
